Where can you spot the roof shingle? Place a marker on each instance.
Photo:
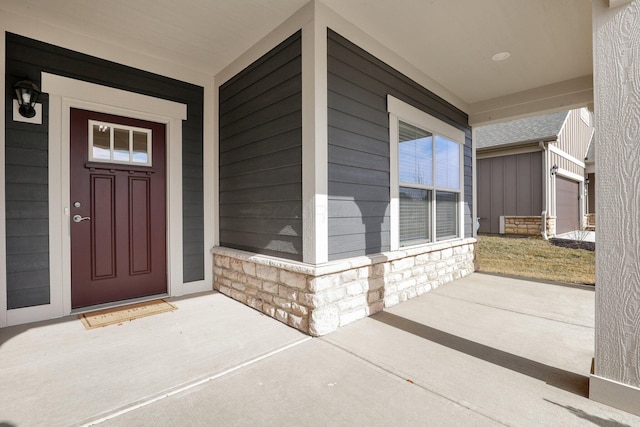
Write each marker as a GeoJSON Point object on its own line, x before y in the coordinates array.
{"type": "Point", "coordinates": [543, 127]}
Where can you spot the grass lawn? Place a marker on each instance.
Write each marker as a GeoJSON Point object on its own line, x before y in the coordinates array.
{"type": "Point", "coordinates": [536, 258]}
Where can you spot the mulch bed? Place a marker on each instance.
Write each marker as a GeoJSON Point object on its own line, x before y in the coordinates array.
{"type": "Point", "coordinates": [573, 244]}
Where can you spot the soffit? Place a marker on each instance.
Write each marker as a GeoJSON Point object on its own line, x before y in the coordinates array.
{"type": "Point", "coordinates": [451, 41]}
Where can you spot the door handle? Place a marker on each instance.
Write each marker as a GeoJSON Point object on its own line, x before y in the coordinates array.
{"type": "Point", "coordinates": [78, 218]}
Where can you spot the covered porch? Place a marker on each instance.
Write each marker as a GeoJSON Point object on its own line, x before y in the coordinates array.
{"type": "Point", "coordinates": [186, 55]}
{"type": "Point", "coordinates": [483, 350]}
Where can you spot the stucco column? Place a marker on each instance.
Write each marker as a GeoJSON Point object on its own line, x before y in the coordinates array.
{"type": "Point", "coordinates": [616, 44]}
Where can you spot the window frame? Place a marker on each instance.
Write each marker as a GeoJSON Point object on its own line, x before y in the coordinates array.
{"type": "Point", "coordinates": [130, 129]}
{"type": "Point", "coordinates": [400, 111]}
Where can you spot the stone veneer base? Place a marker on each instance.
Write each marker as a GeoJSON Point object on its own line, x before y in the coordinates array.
{"type": "Point", "coordinates": [528, 225]}
{"type": "Point", "coordinates": [317, 299]}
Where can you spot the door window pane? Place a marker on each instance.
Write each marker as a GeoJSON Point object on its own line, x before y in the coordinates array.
{"type": "Point", "coordinates": [121, 145]}
{"type": "Point", "coordinates": [415, 216]}
{"type": "Point", "coordinates": [140, 149]}
{"type": "Point", "coordinates": [101, 142]}
{"type": "Point", "coordinates": [113, 143]}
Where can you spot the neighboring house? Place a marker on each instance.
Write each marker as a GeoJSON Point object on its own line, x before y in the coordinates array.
{"type": "Point", "coordinates": [590, 183]}
{"type": "Point", "coordinates": [313, 160]}
{"type": "Point", "coordinates": [531, 172]}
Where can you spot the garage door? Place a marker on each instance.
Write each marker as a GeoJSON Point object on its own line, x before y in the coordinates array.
{"type": "Point", "coordinates": [567, 205]}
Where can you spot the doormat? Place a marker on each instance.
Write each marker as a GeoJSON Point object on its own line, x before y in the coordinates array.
{"type": "Point", "coordinates": [112, 316]}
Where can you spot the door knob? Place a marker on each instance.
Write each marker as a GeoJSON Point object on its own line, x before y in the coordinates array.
{"type": "Point", "coordinates": [78, 218]}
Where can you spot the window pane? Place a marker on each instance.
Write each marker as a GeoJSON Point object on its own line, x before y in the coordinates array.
{"type": "Point", "coordinates": [415, 216]}
{"type": "Point", "coordinates": [140, 153]}
{"type": "Point", "coordinates": [446, 215]}
{"type": "Point", "coordinates": [121, 145]}
{"type": "Point", "coordinates": [415, 153]}
{"type": "Point", "coordinates": [101, 145]}
{"type": "Point", "coordinates": [447, 163]}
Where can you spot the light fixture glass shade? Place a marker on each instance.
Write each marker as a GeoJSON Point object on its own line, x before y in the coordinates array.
{"type": "Point", "coordinates": [27, 93]}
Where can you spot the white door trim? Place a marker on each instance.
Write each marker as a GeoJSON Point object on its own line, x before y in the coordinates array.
{"type": "Point", "coordinates": [64, 94]}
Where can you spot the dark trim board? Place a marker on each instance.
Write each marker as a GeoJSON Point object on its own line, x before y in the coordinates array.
{"type": "Point", "coordinates": [358, 85]}
{"type": "Point", "coordinates": [26, 161]}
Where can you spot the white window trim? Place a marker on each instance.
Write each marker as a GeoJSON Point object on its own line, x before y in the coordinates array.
{"type": "Point", "coordinates": [399, 110]}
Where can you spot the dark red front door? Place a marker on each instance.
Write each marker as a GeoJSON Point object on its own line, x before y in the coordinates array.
{"type": "Point", "coordinates": [117, 207]}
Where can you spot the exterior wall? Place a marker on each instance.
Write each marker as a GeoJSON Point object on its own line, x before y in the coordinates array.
{"type": "Point", "coordinates": [563, 163]}
{"type": "Point", "coordinates": [576, 133]}
{"type": "Point", "coordinates": [616, 53]}
{"type": "Point", "coordinates": [358, 84]}
{"type": "Point", "coordinates": [26, 162]}
{"type": "Point", "coordinates": [509, 186]}
{"type": "Point", "coordinates": [318, 300]}
{"type": "Point", "coordinates": [529, 225]}
{"type": "Point", "coordinates": [261, 155]}
{"type": "Point", "coordinates": [525, 225]}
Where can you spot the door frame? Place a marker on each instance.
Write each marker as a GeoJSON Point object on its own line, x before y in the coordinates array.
{"type": "Point", "coordinates": [64, 94]}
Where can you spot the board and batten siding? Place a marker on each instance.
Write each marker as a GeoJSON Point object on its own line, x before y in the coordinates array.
{"type": "Point", "coordinates": [358, 146]}
{"type": "Point", "coordinates": [563, 163]}
{"type": "Point", "coordinates": [508, 186]}
{"type": "Point", "coordinates": [576, 133]}
{"type": "Point", "coordinates": [261, 154]}
{"type": "Point", "coordinates": [26, 161]}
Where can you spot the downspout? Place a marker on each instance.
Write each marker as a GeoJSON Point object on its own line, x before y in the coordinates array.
{"type": "Point", "coordinates": [545, 186]}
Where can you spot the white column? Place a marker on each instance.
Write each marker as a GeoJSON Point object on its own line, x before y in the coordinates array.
{"type": "Point", "coordinates": [315, 221]}
{"type": "Point", "coordinates": [616, 51]}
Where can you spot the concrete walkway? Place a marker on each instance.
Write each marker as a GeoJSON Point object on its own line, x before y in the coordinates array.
{"type": "Point", "coordinates": [484, 350]}
{"type": "Point", "coordinates": [579, 235]}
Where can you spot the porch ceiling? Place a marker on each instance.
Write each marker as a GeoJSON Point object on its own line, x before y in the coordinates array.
{"type": "Point", "coordinates": [452, 41]}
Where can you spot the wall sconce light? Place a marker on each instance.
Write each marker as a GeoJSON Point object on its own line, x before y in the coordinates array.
{"type": "Point", "coordinates": [554, 169]}
{"type": "Point", "coordinates": [587, 181]}
{"type": "Point", "coordinates": [27, 93]}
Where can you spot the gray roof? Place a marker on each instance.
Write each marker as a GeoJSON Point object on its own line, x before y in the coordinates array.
{"type": "Point", "coordinates": [537, 128]}
{"type": "Point", "coordinates": [591, 151]}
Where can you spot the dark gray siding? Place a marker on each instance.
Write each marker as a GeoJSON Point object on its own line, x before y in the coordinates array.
{"type": "Point", "coordinates": [261, 155]}
{"type": "Point", "coordinates": [26, 164]}
{"type": "Point", "coordinates": [508, 185]}
{"type": "Point", "coordinates": [359, 146]}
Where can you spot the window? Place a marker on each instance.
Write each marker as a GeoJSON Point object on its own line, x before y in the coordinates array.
{"type": "Point", "coordinates": [427, 182]}
{"type": "Point", "coordinates": [111, 143]}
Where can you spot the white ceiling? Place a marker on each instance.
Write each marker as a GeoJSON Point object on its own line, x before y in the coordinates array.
{"type": "Point", "coordinates": [451, 41]}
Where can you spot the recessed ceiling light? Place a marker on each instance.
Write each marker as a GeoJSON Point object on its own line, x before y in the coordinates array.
{"type": "Point", "coordinates": [501, 56]}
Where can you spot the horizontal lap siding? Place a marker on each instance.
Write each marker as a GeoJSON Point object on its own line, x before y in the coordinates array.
{"type": "Point", "coordinates": [27, 212]}
{"type": "Point", "coordinates": [26, 161]}
{"type": "Point", "coordinates": [261, 155]}
{"type": "Point", "coordinates": [358, 167]}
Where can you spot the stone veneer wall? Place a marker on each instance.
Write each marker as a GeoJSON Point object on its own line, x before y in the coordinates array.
{"type": "Point", "coordinates": [551, 226]}
{"type": "Point", "coordinates": [590, 221]}
{"type": "Point", "coordinates": [319, 299]}
{"type": "Point", "coordinates": [528, 225]}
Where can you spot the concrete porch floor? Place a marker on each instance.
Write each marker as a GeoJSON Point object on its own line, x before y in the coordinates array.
{"type": "Point", "coordinates": [483, 350]}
